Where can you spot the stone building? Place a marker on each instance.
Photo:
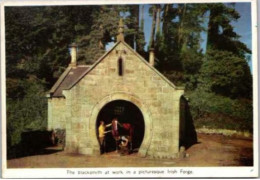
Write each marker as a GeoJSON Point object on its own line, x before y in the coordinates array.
{"type": "Point", "coordinates": [120, 83]}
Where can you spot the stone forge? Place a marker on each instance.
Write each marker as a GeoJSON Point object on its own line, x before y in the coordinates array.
{"type": "Point", "coordinates": [77, 98]}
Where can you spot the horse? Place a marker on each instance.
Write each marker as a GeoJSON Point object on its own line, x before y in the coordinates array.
{"type": "Point", "coordinates": [126, 130]}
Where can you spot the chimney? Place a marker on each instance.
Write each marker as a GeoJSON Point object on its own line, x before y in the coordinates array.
{"type": "Point", "coordinates": [151, 57]}
{"type": "Point", "coordinates": [73, 53]}
{"type": "Point", "coordinates": [120, 36]}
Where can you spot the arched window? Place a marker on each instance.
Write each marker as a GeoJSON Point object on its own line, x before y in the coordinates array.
{"type": "Point", "coordinates": [120, 66]}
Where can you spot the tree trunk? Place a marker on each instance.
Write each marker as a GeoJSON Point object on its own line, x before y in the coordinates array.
{"type": "Point", "coordinates": [212, 31]}
{"type": "Point", "coordinates": [136, 19]}
{"type": "Point", "coordinates": [158, 20]}
{"type": "Point", "coordinates": [165, 19]}
{"type": "Point", "coordinates": [181, 27]}
{"type": "Point", "coordinates": [151, 44]}
{"type": "Point", "coordinates": [140, 41]}
{"type": "Point", "coordinates": [142, 19]}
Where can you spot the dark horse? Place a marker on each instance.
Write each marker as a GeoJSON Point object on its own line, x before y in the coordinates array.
{"type": "Point", "coordinates": [126, 130]}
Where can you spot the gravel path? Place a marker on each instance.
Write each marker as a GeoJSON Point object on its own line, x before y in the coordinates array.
{"type": "Point", "coordinates": [212, 150]}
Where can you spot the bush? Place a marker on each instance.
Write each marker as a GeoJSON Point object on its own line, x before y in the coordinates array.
{"type": "Point", "coordinates": [215, 111]}
{"type": "Point", "coordinates": [226, 74]}
{"type": "Point", "coordinates": [28, 112]}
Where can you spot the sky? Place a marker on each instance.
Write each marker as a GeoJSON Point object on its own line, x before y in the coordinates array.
{"type": "Point", "coordinates": [242, 26]}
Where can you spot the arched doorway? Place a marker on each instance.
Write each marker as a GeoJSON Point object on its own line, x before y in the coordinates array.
{"type": "Point", "coordinates": [125, 112]}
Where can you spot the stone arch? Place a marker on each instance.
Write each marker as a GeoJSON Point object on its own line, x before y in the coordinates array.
{"type": "Point", "coordinates": [127, 97]}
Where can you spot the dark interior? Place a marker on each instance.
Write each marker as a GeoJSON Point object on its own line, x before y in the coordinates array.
{"type": "Point", "coordinates": [125, 112]}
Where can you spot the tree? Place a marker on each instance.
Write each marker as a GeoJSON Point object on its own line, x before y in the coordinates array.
{"type": "Point", "coordinates": [103, 29]}
{"type": "Point", "coordinates": [132, 24]}
{"type": "Point", "coordinates": [153, 12]}
{"type": "Point", "coordinates": [158, 20]}
{"type": "Point", "coordinates": [221, 34]}
{"type": "Point", "coordinates": [140, 41]}
{"type": "Point", "coordinates": [226, 74]}
{"type": "Point", "coordinates": [179, 45]}
{"type": "Point", "coordinates": [37, 40]}
{"type": "Point", "coordinates": [225, 65]}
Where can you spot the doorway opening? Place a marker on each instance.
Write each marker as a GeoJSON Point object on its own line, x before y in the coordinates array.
{"type": "Point", "coordinates": [126, 113]}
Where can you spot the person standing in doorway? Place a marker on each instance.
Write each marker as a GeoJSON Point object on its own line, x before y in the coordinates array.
{"type": "Point", "coordinates": [101, 135]}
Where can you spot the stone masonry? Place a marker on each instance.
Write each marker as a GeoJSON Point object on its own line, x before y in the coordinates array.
{"type": "Point", "coordinates": [156, 97]}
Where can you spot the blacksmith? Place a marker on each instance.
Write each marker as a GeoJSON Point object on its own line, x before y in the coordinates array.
{"type": "Point", "coordinates": [101, 135]}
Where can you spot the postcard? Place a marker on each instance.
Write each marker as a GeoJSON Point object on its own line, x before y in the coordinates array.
{"type": "Point", "coordinates": [138, 89]}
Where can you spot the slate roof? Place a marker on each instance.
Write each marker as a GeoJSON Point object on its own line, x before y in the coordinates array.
{"type": "Point", "coordinates": [68, 78]}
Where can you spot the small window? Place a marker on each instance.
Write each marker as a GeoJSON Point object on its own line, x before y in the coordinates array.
{"type": "Point", "coordinates": [120, 66]}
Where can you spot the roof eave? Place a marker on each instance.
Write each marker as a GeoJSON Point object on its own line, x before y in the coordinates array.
{"type": "Point", "coordinates": [59, 81]}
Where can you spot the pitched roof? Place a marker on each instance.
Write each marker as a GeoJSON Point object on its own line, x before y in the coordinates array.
{"type": "Point", "coordinates": [68, 78]}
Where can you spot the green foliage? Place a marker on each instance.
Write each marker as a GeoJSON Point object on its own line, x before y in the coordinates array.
{"type": "Point", "coordinates": [214, 111]}
{"type": "Point", "coordinates": [226, 74]}
{"type": "Point", "coordinates": [178, 48]}
{"type": "Point", "coordinates": [221, 34]}
{"type": "Point", "coordinates": [29, 112]}
{"type": "Point", "coordinates": [37, 40]}
{"type": "Point", "coordinates": [191, 63]}
{"type": "Point", "coordinates": [102, 29]}
{"type": "Point", "coordinates": [219, 82]}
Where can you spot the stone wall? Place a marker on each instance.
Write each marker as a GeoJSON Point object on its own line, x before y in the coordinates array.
{"type": "Point", "coordinates": [158, 100]}
{"type": "Point", "coordinates": [57, 113]}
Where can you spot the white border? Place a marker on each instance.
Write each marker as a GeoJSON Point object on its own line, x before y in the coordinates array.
{"type": "Point", "coordinates": [196, 172]}
{"type": "Point", "coordinates": [255, 66]}
{"type": "Point", "coordinates": [3, 92]}
{"type": "Point", "coordinates": [100, 2]}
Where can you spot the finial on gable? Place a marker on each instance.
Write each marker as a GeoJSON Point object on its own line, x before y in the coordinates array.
{"type": "Point", "coordinates": [120, 36]}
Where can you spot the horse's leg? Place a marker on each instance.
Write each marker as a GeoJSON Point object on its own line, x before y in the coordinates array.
{"type": "Point", "coordinates": [114, 136]}
{"type": "Point", "coordinates": [131, 132]}
{"type": "Point", "coordinates": [104, 145]}
{"type": "Point", "coordinates": [116, 144]}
